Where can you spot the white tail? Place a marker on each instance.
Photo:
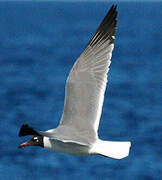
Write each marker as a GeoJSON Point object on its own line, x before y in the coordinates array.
{"type": "Point", "coordinates": [112, 149]}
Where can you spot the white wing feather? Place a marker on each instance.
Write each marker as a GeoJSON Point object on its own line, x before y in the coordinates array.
{"type": "Point", "coordinates": [85, 87]}
{"type": "Point", "coordinates": [86, 83]}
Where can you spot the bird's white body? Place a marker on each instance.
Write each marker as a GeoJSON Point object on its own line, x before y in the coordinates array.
{"type": "Point", "coordinates": [117, 150]}
{"type": "Point", "coordinates": [68, 147]}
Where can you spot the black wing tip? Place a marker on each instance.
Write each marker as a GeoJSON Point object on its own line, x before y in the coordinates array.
{"type": "Point", "coordinates": [113, 12]}
{"type": "Point", "coordinates": [113, 7]}
{"type": "Point", "coordinates": [115, 19]}
{"type": "Point", "coordinates": [110, 21]}
{"type": "Point", "coordinates": [107, 28]}
{"type": "Point", "coordinates": [27, 130]}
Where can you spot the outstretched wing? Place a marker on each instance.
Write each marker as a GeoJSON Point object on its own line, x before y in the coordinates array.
{"type": "Point", "coordinates": [86, 83]}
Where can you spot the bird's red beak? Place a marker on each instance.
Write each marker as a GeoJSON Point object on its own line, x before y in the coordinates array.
{"type": "Point", "coordinates": [24, 144]}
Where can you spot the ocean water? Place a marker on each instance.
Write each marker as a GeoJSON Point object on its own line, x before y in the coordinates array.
{"type": "Point", "coordinates": [39, 42]}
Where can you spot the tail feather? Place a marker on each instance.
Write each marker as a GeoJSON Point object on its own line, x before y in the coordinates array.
{"type": "Point", "coordinates": [112, 149]}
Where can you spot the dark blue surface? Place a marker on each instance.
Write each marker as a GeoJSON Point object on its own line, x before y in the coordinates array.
{"type": "Point", "coordinates": [39, 42]}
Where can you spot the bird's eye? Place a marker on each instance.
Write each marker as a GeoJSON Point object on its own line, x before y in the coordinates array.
{"type": "Point", "coordinates": [35, 139]}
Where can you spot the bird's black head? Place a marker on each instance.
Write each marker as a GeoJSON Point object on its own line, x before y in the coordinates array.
{"type": "Point", "coordinates": [36, 140]}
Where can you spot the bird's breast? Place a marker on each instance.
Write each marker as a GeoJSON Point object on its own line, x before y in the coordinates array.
{"type": "Point", "coordinates": [66, 147]}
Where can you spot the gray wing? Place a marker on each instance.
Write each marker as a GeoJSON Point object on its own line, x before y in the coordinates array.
{"type": "Point", "coordinates": [85, 87]}
{"type": "Point", "coordinates": [86, 83]}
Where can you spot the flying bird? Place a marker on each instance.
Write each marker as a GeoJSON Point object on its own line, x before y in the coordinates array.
{"type": "Point", "coordinates": [77, 132]}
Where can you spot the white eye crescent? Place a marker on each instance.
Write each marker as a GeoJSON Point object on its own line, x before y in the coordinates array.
{"type": "Point", "coordinates": [36, 139]}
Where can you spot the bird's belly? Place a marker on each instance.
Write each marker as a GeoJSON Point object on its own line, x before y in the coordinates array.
{"type": "Point", "coordinates": [67, 147]}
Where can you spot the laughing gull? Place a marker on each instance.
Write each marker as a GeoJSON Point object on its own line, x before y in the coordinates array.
{"type": "Point", "coordinates": [77, 132]}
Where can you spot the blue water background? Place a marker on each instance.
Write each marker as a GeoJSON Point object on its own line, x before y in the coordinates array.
{"type": "Point", "coordinates": [39, 42]}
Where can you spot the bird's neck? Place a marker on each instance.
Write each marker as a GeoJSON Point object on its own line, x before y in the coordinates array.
{"type": "Point", "coordinates": [47, 142]}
